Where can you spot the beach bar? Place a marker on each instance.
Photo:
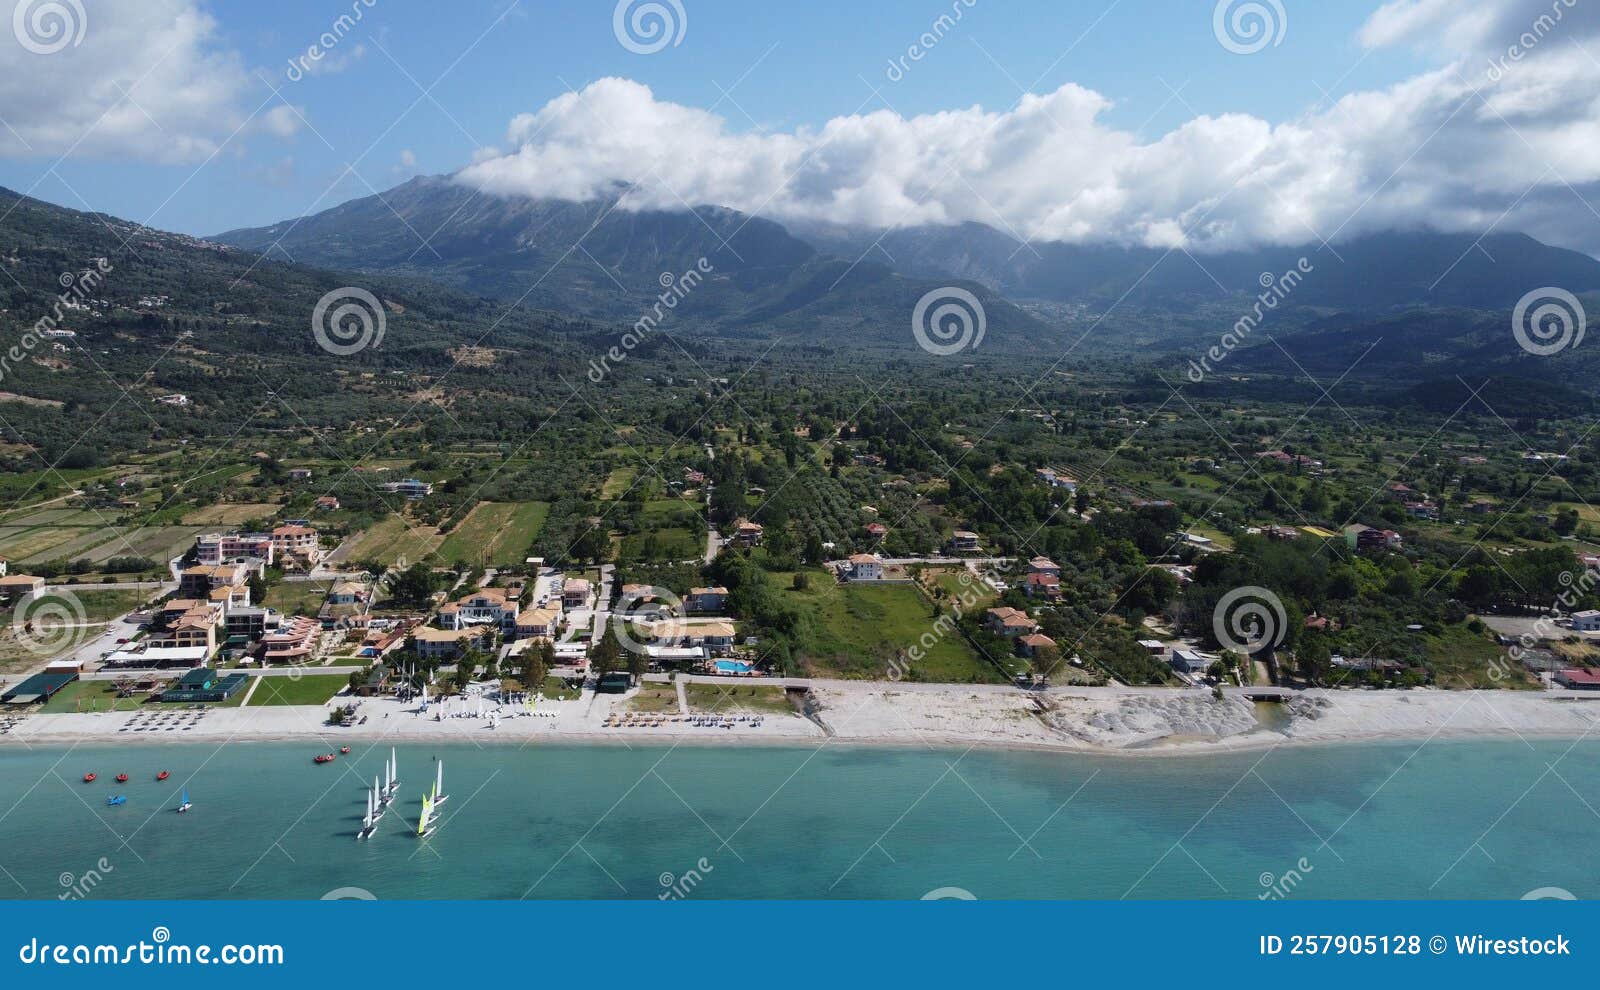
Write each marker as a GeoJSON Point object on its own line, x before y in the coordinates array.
{"type": "Point", "coordinates": [39, 688]}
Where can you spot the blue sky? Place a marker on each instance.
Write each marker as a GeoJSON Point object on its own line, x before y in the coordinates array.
{"type": "Point", "coordinates": [784, 65]}
{"type": "Point", "coordinates": [1142, 125]}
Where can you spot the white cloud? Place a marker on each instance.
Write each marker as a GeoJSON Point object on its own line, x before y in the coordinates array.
{"type": "Point", "coordinates": [148, 80]}
{"type": "Point", "coordinates": [1453, 148]}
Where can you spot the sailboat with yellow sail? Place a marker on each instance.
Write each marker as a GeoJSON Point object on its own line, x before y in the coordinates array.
{"type": "Point", "coordinates": [425, 824]}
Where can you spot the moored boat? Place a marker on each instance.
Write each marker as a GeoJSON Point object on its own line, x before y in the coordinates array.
{"type": "Point", "coordinates": [163, 775]}
{"type": "Point", "coordinates": [122, 778]}
{"type": "Point", "coordinates": [323, 758]}
{"type": "Point", "coordinates": [90, 778]}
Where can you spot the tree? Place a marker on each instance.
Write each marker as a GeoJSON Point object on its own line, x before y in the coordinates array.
{"type": "Point", "coordinates": [605, 655]}
{"type": "Point", "coordinates": [535, 665]}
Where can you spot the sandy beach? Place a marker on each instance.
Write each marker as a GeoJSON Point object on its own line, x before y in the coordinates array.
{"type": "Point", "coordinates": [1095, 720]}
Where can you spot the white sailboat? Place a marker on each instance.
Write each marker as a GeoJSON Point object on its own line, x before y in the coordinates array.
{"type": "Point", "coordinates": [377, 801]}
{"type": "Point", "coordinates": [439, 796]}
{"type": "Point", "coordinates": [391, 782]}
{"type": "Point", "coordinates": [370, 821]}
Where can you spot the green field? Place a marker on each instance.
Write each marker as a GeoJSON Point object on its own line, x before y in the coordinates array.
{"type": "Point", "coordinates": [392, 539]}
{"type": "Point", "coordinates": [311, 689]}
{"type": "Point", "coordinates": [619, 482]}
{"type": "Point", "coordinates": [496, 534]}
{"type": "Point", "coordinates": [297, 597]}
{"type": "Point", "coordinates": [860, 630]}
{"type": "Point", "coordinates": [660, 545]}
{"type": "Point", "coordinates": [91, 696]}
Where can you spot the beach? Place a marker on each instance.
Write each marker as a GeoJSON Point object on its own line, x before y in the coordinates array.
{"type": "Point", "coordinates": [1128, 721]}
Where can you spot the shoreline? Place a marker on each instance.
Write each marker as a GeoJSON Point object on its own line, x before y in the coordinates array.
{"type": "Point", "coordinates": [1129, 723]}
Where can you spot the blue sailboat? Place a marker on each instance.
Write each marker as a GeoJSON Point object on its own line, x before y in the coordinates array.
{"type": "Point", "coordinates": [183, 803]}
{"type": "Point", "coordinates": [116, 800]}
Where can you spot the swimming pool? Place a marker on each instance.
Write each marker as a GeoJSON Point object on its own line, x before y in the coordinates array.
{"type": "Point", "coordinates": [733, 667]}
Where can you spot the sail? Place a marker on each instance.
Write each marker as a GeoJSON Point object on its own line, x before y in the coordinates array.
{"type": "Point", "coordinates": [185, 799]}
{"type": "Point", "coordinates": [427, 813]}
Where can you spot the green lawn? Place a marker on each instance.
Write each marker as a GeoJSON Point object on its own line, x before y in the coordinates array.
{"type": "Point", "coordinates": [860, 630]}
{"type": "Point", "coordinates": [312, 689]}
{"type": "Point", "coordinates": [90, 696]}
{"type": "Point", "coordinates": [297, 597]}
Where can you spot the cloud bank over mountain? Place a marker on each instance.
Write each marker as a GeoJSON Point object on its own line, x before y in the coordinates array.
{"type": "Point", "coordinates": [1497, 137]}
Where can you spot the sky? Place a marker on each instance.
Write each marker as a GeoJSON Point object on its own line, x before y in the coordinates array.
{"type": "Point", "coordinates": [1155, 122]}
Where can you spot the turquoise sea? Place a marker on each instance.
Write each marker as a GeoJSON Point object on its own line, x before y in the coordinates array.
{"type": "Point", "coordinates": [1441, 820]}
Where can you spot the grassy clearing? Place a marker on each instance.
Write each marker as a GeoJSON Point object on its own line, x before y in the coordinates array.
{"type": "Point", "coordinates": [655, 698]}
{"type": "Point", "coordinates": [858, 630]}
{"type": "Point", "coordinates": [312, 689]}
{"type": "Point", "coordinates": [660, 545]}
{"type": "Point", "coordinates": [392, 539]}
{"type": "Point", "coordinates": [1461, 658]}
{"type": "Point", "coordinates": [496, 533]}
{"type": "Point", "coordinates": [297, 597]}
{"type": "Point", "coordinates": [739, 700]}
{"type": "Point", "coordinates": [619, 482]}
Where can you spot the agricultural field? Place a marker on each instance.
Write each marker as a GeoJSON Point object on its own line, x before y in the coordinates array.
{"type": "Point", "coordinates": [392, 539]}
{"type": "Point", "coordinates": [230, 514]}
{"type": "Point", "coordinates": [32, 542]}
{"type": "Point", "coordinates": [495, 533]}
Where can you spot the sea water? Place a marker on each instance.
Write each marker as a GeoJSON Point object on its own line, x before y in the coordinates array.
{"type": "Point", "coordinates": [1399, 820]}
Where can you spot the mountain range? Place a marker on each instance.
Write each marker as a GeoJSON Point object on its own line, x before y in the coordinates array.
{"type": "Point", "coordinates": [601, 260]}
